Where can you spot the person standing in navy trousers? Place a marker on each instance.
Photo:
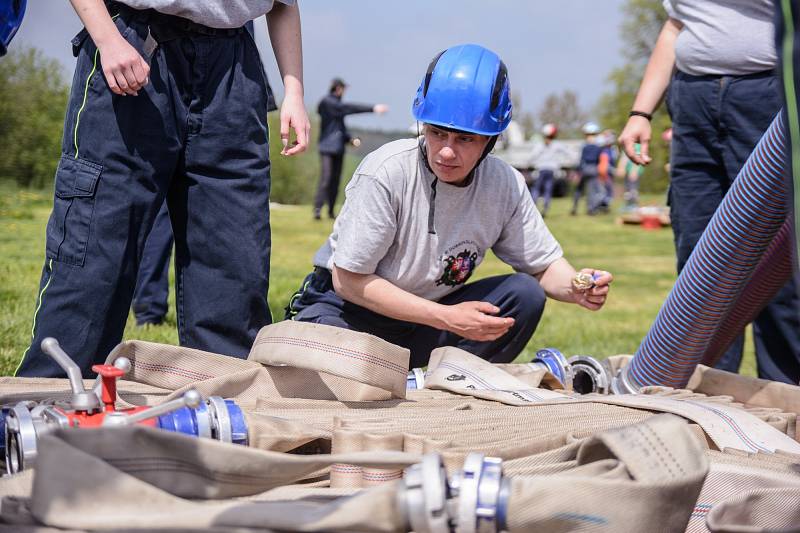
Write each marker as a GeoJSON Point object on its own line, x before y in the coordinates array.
{"type": "Point", "coordinates": [166, 108]}
{"type": "Point", "coordinates": [152, 284]}
{"type": "Point", "coordinates": [722, 97]}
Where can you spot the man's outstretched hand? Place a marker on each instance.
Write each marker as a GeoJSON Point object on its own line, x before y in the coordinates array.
{"type": "Point", "coordinates": [595, 297]}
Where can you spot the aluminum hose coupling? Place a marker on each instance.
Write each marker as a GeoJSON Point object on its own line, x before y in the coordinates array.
{"type": "Point", "coordinates": [415, 379]}
{"type": "Point", "coordinates": [24, 423]}
{"type": "Point", "coordinates": [474, 500]}
{"type": "Point", "coordinates": [623, 383]}
{"type": "Point", "coordinates": [590, 375]}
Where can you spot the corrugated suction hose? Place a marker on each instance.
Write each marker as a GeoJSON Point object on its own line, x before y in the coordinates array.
{"type": "Point", "coordinates": [701, 315]}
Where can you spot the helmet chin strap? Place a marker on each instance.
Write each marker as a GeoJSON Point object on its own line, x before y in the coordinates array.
{"type": "Point", "coordinates": [423, 154]}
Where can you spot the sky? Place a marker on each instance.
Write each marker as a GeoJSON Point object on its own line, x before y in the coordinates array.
{"type": "Point", "coordinates": [381, 48]}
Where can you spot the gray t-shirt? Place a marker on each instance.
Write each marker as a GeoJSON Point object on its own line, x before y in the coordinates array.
{"type": "Point", "coordinates": [211, 13]}
{"type": "Point", "coordinates": [383, 227]}
{"type": "Point", "coordinates": [548, 157]}
{"type": "Point", "coordinates": [723, 37]}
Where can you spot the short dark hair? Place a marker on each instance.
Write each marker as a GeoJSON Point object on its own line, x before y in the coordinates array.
{"type": "Point", "coordinates": [336, 83]}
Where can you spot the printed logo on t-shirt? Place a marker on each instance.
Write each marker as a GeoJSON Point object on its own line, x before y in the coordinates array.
{"type": "Point", "coordinates": [458, 267]}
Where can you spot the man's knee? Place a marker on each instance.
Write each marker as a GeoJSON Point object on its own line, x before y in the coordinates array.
{"type": "Point", "coordinates": [528, 296]}
{"type": "Point", "coordinates": [322, 314]}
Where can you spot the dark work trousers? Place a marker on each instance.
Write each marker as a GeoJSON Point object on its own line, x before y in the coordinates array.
{"type": "Point", "coordinates": [517, 295]}
{"type": "Point", "coordinates": [543, 188]}
{"type": "Point", "coordinates": [590, 182]}
{"type": "Point", "coordinates": [787, 44]}
{"type": "Point", "coordinates": [328, 187]}
{"type": "Point", "coordinates": [152, 284]}
{"type": "Point", "coordinates": [195, 136]}
{"type": "Point", "coordinates": [716, 123]}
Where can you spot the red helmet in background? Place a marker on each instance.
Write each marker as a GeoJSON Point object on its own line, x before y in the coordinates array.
{"type": "Point", "coordinates": [550, 130]}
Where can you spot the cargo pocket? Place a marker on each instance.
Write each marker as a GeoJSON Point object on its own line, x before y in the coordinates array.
{"type": "Point", "coordinates": [73, 206]}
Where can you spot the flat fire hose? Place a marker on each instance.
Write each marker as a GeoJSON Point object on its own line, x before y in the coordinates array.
{"type": "Point", "coordinates": [729, 428]}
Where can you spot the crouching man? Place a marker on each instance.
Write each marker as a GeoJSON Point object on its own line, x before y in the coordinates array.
{"type": "Point", "coordinates": [421, 214]}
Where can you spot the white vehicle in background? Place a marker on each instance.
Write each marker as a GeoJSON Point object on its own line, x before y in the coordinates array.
{"type": "Point", "coordinates": [514, 149]}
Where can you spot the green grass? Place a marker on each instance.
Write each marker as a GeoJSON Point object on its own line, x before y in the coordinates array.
{"type": "Point", "coordinates": [642, 262]}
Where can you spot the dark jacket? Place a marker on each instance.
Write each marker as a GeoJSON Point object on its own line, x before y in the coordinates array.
{"type": "Point", "coordinates": [590, 157]}
{"type": "Point", "coordinates": [332, 132]}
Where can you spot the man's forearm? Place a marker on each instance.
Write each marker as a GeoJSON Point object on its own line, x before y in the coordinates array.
{"type": "Point", "coordinates": [379, 295]}
{"type": "Point", "coordinates": [556, 281]}
{"type": "Point", "coordinates": [659, 69]}
{"type": "Point", "coordinates": [283, 23]}
{"type": "Point", "coordinates": [96, 19]}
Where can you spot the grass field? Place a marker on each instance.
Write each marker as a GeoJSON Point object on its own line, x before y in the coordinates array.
{"type": "Point", "coordinates": [642, 262]}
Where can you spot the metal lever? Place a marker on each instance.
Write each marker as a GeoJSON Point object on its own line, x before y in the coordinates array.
{"type": "Point", "coordinates": [191, 398]}
{"type": "Point", "coordinates": [81, 399]}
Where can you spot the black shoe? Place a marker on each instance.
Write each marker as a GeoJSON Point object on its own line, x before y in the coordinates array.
{"type": "Point", "coordinates": [317, 215]}
{"type": "Point", "coordinates": [331, 215]}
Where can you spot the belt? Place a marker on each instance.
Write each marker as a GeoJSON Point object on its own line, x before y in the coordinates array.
{"type": "Point", "coordinates": [170, 26]}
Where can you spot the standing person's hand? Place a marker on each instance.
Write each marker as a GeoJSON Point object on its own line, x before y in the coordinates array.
{"type": "Point", "coordinates": [594, 298]}
{"type": "Point", "coordinates": [294, 117]}
{"type": "Point", "coordinates": [125, 69]}
{"type": "Point", "coordinates": [380, 109]}
{"type": "Point", "coordinates": [474, 321]}
{"type": "Point", "coordinates": [637, 130]}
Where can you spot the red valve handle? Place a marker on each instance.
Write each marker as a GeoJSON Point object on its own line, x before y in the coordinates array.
{"type": "Point", "coordinates": [109, 374]}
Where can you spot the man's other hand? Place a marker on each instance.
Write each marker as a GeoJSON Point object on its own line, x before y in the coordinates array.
{"type": "Point", "coordinates": [294, 117]}
{"type": "Point", "coordinates": [475, 321]}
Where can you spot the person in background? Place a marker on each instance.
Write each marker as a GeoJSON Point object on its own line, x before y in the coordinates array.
{"type": "Point", "coordinates": [630, 173]}
{"type": "Point", "coordinates": [547, 161]}
{"type": "Point", "coordinates": [605, 170]}
{"type": "Point", "coordinates": [718, 59]}
{"type": "Point", "coordinates": [169, 103]}
{"type": "Point", "coordinates": [421, 214]}
{"type": "Point", "coordinates": [587, 169]}
{"type": "Point", "coordinates": [333, 137]}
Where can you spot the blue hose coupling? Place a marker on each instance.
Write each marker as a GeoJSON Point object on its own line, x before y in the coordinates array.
{"type": "Point", "coordinates": [215, 418]}
{"type": "Point", "coordinates": [557, 364]}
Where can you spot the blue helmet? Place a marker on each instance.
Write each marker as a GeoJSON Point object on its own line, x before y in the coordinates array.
{"type": "Point", "coordinates": [465, 88]}
{"type": "Point", "coordinates": [11, 12]}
